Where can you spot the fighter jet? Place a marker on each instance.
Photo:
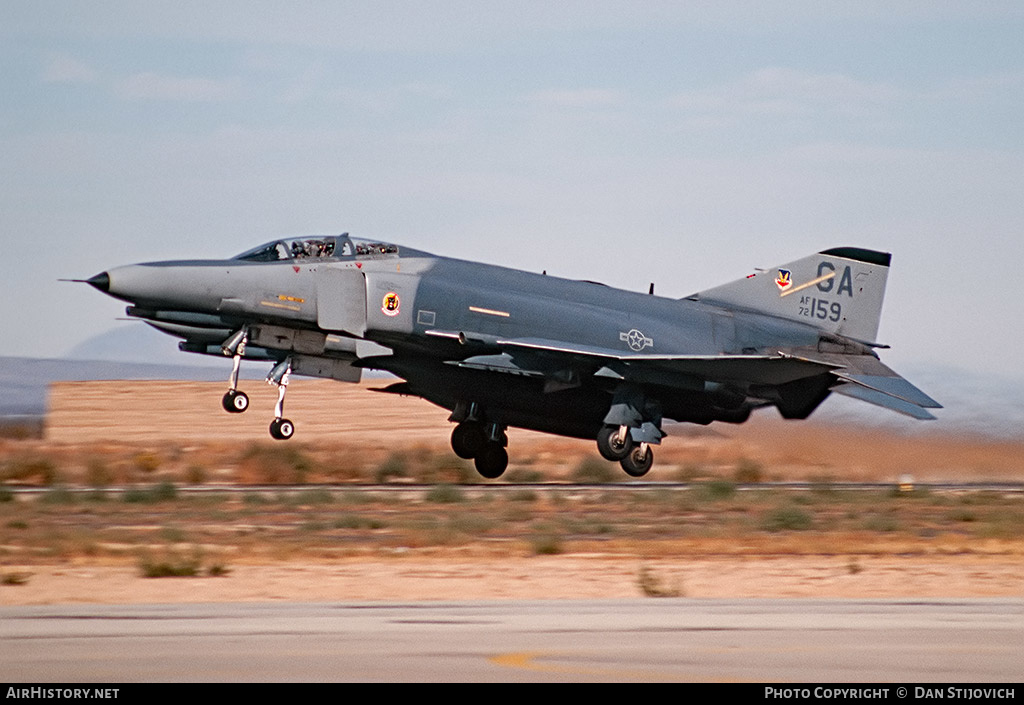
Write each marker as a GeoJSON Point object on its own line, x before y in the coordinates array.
{"type": "Point", "coordinates": [504, 348]}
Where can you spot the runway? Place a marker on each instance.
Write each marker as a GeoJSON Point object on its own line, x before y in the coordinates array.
{"type": "Point", "coordinates": [905, 641]}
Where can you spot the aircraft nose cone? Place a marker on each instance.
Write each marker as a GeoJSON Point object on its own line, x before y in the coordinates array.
{"type": "Point", "coordinates": [101, 281]}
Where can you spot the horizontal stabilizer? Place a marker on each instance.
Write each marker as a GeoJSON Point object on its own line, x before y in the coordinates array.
{"type": "Point", "coordinates": [873, 396]}
{"type": "Point", "coordinates": [893, 386]}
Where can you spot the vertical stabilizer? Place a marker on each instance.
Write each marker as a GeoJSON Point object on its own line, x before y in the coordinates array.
{"type": "Point", "coordinates": [838, 290]}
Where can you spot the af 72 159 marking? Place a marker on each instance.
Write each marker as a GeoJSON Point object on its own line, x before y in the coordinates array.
{"type": "Point", "coordinates": [820, 308]}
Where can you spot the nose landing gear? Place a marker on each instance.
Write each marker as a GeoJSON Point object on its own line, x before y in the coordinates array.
{"type": "Point", "coordinates": [281, 428]}
{"type": "Point", "coordinates": [234, 401]}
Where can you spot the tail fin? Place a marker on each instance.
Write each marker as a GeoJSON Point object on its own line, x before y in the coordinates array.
{"type": "Point", "coordinates": [838, 290]}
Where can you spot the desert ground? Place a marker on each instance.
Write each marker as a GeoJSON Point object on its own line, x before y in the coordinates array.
{"type": "Point", "coordinates": [367, 502]}
{"type": "Point", "coordinates": [188, 414]}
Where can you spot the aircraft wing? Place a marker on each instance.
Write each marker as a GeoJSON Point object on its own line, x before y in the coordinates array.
{"type": "Point", "coordinates": [758, 369]}
{"type": "Point", "coordinates": [862, 377]}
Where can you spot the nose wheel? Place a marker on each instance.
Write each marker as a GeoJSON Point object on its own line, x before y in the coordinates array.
{"type": "Point", "coordinates": [235, 402]}
{"type": "Point", "coordinates": [282, 429]}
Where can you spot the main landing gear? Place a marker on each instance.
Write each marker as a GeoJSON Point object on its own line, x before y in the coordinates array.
{"type": "Point", "coordinates": [484, 444]}
{"type": "Point", "coordinates": [616, 443]}
{"type": "Point", "coordinates": [631, 426]}
{"type": "Point", "coordinates": [235, 401]}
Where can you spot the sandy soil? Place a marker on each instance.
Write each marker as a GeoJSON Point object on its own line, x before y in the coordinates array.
{"type": "Point", "coordinates": [407, 578]}
{"type": "Point", "coordinates": [325, 411]}
{"type": "Point", "coordinates": [161, 412]}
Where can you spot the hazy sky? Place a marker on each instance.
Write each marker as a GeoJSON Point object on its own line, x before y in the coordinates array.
{"type": "Point", "coordinates": [683, 143]}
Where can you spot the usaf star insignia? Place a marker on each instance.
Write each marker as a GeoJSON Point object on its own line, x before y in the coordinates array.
{"type": "Point", "coordinates": [636, 340]}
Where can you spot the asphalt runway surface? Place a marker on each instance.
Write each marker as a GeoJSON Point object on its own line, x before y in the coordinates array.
{"type": "Point", "coordinates": [895, 641]}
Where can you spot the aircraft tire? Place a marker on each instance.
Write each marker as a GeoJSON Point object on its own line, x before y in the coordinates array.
{"type": "Point", "coordinates": [637, 463]}
{"type": "Point", "coordinates": [468, 440]}
{"type": "Point", "coordinates": [608, 443]}
{"type": "Point", "coordinates": [235, 402]}
{"type": "Point", "coordinates": [491, 461]}
{"type": "Point", "coordinates": [282, 429]}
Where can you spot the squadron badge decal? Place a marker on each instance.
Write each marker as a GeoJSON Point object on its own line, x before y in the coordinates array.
{"type": "Point", "coordinates": [391, 304]}
{"type": "Point", "coordinates": [784, 280]}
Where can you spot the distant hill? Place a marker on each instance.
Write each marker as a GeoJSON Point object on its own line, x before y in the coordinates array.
{"type": "Point", "coordinates": [25, 381]}
{"type": "Point", "coordinates": [131, 351]}
{"type": "Point", "coordinates": [138, 343]}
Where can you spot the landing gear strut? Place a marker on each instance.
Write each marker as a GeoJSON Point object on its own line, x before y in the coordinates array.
{"type": "Point", "coordinates": [234, 401]}
{"type": "Point", "coordinates": [281, 428]}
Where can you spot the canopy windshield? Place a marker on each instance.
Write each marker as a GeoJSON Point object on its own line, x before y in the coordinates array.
{"type": "Point", "coordinates": [330, 246]}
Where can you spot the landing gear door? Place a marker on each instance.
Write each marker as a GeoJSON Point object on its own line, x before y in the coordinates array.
{"type": "Point", "coordinates": [341, 300]}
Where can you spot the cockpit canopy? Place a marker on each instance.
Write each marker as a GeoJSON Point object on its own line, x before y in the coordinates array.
{"type": "Point", "coordinates": [324, 247]}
